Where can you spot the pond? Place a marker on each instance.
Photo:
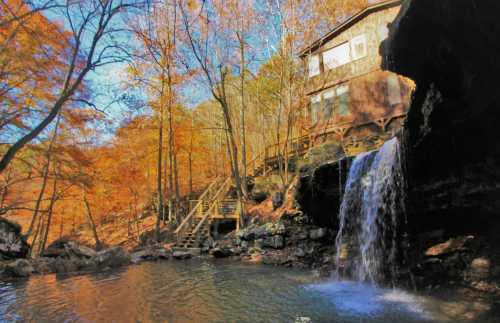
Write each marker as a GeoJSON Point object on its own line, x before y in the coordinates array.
{"type": "Point", "coordinates": [207, 291]}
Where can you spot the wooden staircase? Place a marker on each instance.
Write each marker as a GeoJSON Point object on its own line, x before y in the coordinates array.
{"type": "Point", "coordinates": [192, 238]}
{"type": "Point", "coordinates": [211, 205]}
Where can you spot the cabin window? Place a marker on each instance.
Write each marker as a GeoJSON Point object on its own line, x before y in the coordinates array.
{"type": "Point", "coordinates": [343, 100]}
{"type": "Point", "coordinates": [337, 56]}
{"type": "Point", "coordinates": [393, 90]}
{"type": "Point", "coordinates": [313, 65]}
{"type": "Point", "coordinates": [328, 103]}
{"type": "Point", "coordinates": [358, 47]}
{"type": "Point", "coordinates": [315, 108]}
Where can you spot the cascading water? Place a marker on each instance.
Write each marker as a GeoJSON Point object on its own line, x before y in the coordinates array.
{"type": "Point", "coordinates": [369, 215]}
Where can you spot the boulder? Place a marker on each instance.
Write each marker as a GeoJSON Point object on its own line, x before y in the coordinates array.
{"type": "Point", "coordinates": [448, 247]}
{"type": "Point", "coordinates": [43, 265]}
{"type": "Point", "coordinates": [12, 243]}
{"type": "Point", "coordinates": [256, 232]}
{"type": "Point", "coordinates": [162, 253]}
{"type": "Point", "coordinates": [221, 252]}
{"type": "Point", "coordinates": [298, 234]}
{"type": "Point", "coordinates": [62, 266]}
{"type": "Point", "coordinates": [278, 258]}
{"type": "Point", "coordinates": [479, 269]}
{"type": "Point", "coordinates": [316, 234]}
{"type": "Point", "coordinates": [64, 248]}
{"type": "Point", "coordinates": [207, 244]}
{"type": "Point", "coordinates": [236, 251]}
{"type": "Point", "coordinates": [299, 252]}
{"type": "Point", "coordinates": [253, 258]}
{"type": "Point", "coordinates": [2, 268]}
{"type": "Point", "coordinates": [19, 268]}
{"type": "Point", "coordinates": [275, 242]}
{"type": "Point", "coordinates": [180, 255]}
{"type": "Point", "coordinates": [145, 254]}
{"type": "Point", "coordinates": [56, 249]}
{"type": "Point", "coordinates": [112, 257]}
{"type": "Point", "coordinates": [73, 249]}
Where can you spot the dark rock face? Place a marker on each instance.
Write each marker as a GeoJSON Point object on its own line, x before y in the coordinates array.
{"type": "Point", "coordinates": [450, 49]}
{"type": "Point", "coordinates": [320, 190]}
{"type": "Point", "coordinates": [290, 241]}
{"type": "Point", "coordinates": [12, 244]}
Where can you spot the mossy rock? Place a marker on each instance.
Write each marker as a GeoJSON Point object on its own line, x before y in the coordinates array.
{"type": "Point", "coordinates": [319, 155]}
{"type": "Point", "coordinates": [267, 184]}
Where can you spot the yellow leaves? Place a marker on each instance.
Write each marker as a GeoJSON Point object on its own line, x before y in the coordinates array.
{"type": "Point", "coordinates": [193, 5]}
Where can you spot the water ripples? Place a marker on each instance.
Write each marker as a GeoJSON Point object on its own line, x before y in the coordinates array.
{"type": "Point", "coordinates": [197, 291]}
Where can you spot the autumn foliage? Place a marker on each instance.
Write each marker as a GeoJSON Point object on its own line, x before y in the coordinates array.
{"type": "Point", "coordinates": [204, 87]}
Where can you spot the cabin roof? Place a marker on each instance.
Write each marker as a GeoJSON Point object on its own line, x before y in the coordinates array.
{"type": "Point", "coordinates": [348, 23]}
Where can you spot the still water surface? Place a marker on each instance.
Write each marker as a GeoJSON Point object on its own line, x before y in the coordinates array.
{"type": "Point", "coordinates": [203, 291]}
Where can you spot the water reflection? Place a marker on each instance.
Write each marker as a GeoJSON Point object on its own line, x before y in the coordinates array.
{"type": "Point", "coordinates": [198, 291]}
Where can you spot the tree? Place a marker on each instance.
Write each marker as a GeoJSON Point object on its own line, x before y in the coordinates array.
{"type": "Point", "coordinates": [157, 33]}
{"type": "Point", "coordinates": [92, 44]}
{"type": "Point", "coordinates": [206, 36]}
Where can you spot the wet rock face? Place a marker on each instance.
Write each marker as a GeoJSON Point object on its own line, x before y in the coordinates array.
{"type": "Point", "coordinates": [452, 127]}
{"type": "Point", "coordinates": [12, 244]}
{"type": "Point", "coordinates": [319, 193]}
{"type": "Point", "coordinates": [450, 49]}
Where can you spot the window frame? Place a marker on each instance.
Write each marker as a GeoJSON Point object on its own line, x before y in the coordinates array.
{"type": "Point", "coordinates": [315, 109]}
{"type": "Point", "coordinates": [363, 38]}
{"type": "Point", "coordinates": [329, 94]}
{"type": "Point", "coordinates": [317, 69]}
{"type": "Point", "coordinates": [338, 47]}
{"type": "Point", "coordinates": [343, 91]}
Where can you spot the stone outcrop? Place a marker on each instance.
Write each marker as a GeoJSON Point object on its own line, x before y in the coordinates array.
{"type": "Point", "coordinates": [12, 243]}
{"type": "Point", "coordinates": [68, 249]}
{"type": "Point", "coordinates": [290, 241]}
{"type": "Point", "coordinates": [67, 257]}
{"type": "Point", "coordinates": [452, 152]}
{"type": "Point", "coordinates": [320, 189]}
{"type": "Point", "coordinates": [112, 257]}
{"type": "Point", "coordinates": [19, 268]}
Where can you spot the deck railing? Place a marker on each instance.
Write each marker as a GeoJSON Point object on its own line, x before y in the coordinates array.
{"type": "Point", "coordinates": [198, 207]}
{"type": "Point", "coordinates": [221, 192]}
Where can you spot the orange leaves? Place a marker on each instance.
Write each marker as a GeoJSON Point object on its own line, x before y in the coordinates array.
{"type": "Point", "coordinates": [34, 58]}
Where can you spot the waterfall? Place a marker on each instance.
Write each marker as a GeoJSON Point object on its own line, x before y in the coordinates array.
{"type": "Point", "coordinates": [370, 212]}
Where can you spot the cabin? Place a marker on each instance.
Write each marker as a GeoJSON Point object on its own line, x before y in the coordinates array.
{"type": "Point", "coordinates": [352, 100]}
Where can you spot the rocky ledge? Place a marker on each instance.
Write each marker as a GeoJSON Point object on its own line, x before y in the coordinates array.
{"type": "Point", "coordinates": [290, 241]}
{"type": "Point", "coordinates": [66, 257]}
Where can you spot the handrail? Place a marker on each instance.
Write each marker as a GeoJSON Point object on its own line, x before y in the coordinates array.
{"type": "Point", "coordinates": [209, 211]}
{"type": "Point", "coordinates": [195, 209]}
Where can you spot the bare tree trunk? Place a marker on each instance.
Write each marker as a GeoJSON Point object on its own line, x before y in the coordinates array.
{"type": "Point", "coordinates": [53, 200]}
{"type": "Point", "coordinates": [61, 226]}
{"type": "Point", "coordinates": [242, 112]}
{"type": "Point", "coordinates": [159, 172]}
{"type": "Point", "coordinates": [190, 156]}
{"type": "Point", "coordinates": [45, 177]}
{"type": "Point", "coordinates": [98, 244]}
{"type": "Point", "coordinates": [176, 179]}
